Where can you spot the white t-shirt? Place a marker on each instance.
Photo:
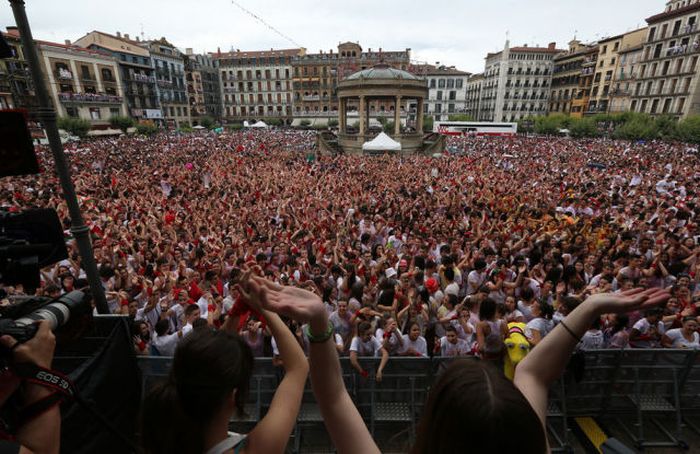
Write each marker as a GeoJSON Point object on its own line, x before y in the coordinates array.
{"type": "Point", "coordinates": [539, 324]}
{"type": "Point", "coordinates": [419, 345]}
{"type": "Point", "coordinates": [681, 342]}
{"type": "Point", "coordinates": [166, 344]}
{"type": "Point", "coordinates": [461, 348]}
{"type": "Point", "coordinates": [525, 310]}
{"type": "Point", "coordinates": [369, 348]}
{"type": "Point", "coordinates": [592, 340]}
{"type": "Point", "coordinates": [644, 328]}
{"type": "Point", "coordinates": [475, 280]}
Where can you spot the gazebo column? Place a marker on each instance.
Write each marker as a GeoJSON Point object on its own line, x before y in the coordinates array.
{"type": "Point", "coordinates": [397, 116]}
{"type": "Point", "coordinates": [362, 114]}
{"type": "Point", "coordinates": [341, 115]}
{"type": "Point", "coordinates": [419, 116]}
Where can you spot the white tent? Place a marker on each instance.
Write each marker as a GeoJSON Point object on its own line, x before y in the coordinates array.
{"type": "Point", "coordinates": [260, 124]}
{"type": "Point", "coordinates": [198, 127]}
{"type": "Point", "coordinates": [382, 143]}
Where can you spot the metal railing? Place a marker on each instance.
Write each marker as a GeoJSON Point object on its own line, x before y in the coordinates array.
{"type": "Point", "coordinates": [636, 384]}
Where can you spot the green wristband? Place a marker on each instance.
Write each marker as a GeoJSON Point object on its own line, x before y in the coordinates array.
{"type": "Point", "coordinates": [321, 338]}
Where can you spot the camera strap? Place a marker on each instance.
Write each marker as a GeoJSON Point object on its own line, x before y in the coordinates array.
{"type": "Point", "coordinates": [61, 386]}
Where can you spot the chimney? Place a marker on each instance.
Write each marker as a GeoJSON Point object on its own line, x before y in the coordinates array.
{"type": "Point", "coordinates": [119, 34]}
{"type": "Point", "coordinates": [552, 46]}
{"type": "Point", "coordinates": [12, 29]}
{"type": "Point", "coordinates": [68, 43]}
{"type": "Point", "coordinates": [126, 36]}
{"type": "Point", "coordinates": [138, 40]}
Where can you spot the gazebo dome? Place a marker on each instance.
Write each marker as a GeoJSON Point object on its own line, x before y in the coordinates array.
{"type": "Point", "coordinates": [382, 72]}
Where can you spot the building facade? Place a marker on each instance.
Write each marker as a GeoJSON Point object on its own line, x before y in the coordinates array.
{"type": "Point", "coordinates": [473, 95]}
{"type": "Point", "coordinates": [517, 83]}
{"type": "Point", "coordinates": [203, 88]}
{"type": "Point", "coordinates": [82, 83]}
{"type": "Point", "coordinates": [624, 79]}
{"type": "Point", "coordinates": [169, 69]}
{"type": "Point", "coordinates": [136, 71]}
{"type": "Point", "coordinates": [316, 76]}
{"type": "Point", "coordinates": [566, 79]}
{"type": "Point", "coordinates": [606, 68]}
{"type": "Point", "coordinates": [447, 91]}
{"type": "Point", "coordinates": [256, 85]}
{"type": "Point", "coordinates": [16, 86]}
{"type": "Point", "coordinates": [667, 82]}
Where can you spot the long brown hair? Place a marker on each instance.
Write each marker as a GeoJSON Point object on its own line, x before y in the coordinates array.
{"type": "Point", "coordinates": [474, 408]}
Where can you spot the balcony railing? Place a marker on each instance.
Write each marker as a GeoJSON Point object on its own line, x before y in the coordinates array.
{"type": "Point", "coordinates": [311, 98]}
{"type": "Point", "coordinates": [63, 74]}
{"type": "Point", "coordinates": [97, 98]}
{"type": "Point", "coordinates": [142, 78]}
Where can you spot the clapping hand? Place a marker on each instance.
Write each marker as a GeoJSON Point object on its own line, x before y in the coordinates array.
{"type": "Point", "coordinates": [630, 300]}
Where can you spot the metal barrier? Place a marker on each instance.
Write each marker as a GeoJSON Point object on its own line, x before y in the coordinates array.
{"type": "Point", "coordinates": [655, 386]}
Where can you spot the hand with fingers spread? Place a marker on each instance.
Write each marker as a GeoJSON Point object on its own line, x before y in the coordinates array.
{"type": "Point", "coordinates": [627, 301]}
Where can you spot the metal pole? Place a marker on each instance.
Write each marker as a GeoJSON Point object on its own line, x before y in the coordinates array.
{"type": "Point", "coordinates": [47, 116]}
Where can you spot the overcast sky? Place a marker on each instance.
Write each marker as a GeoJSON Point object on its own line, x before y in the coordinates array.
{"type": "Point", "coordinates": [452, 32]}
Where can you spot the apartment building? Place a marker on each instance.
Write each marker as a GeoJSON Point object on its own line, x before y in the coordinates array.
{"type": "Point", "coordinates": [203, 87]}
{"type": "Point", "coordinates": [667, 81]}
{"type": "Point", "coordinates": [473, 95]}
{"type": "Point", "coordinates": [566, 78]}
{"type": "Point", "coordinates": [447, 91]}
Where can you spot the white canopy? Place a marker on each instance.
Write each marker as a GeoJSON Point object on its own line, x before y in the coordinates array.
{"type": "Point", "coordinates": [198, 127]}
{"type": "Point", "coordinates": [260, 124]}
{"type": "Point", "coordinates": [382, 143]}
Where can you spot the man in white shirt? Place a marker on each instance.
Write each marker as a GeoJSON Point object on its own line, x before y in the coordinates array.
{"type": "Point", "coordinates": [367, 345]}
{"type": "Point", "coordinates": [163, 342]}
{"type": "Point", "coordinates": [451, 345]}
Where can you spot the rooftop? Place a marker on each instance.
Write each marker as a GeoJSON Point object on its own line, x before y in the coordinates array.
{"type": "Point", "coordinates": [432, 70]}
{"type": "Point", "coordinates": [257, 53]}
{"type": "Point", "coordinates": [673, 13]}
{"type": "Point", "coordinates": [382, 72]}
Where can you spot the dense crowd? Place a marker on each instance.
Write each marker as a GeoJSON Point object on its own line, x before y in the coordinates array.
{"type": "Point", "coordinates": [412, 255]}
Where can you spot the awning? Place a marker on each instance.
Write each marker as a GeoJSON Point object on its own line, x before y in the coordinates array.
{"type": "Point", "coordinates": [382, 143]}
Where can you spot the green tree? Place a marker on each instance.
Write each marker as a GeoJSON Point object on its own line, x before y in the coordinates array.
{"type": "Point", "coordinates": [274, 122]}
{"type": "Point", "coordinates": [121, 122]}
{"type": "Point", "coordinates": [186, 128]}
{"type": "Point", "coordinates": [688, 130]}
{"type": "Point", "coordinates": [583, 127]}
{"type": "Point", "coordinates": [428, 123]}
{"type": "Point", "coordinates": [526, 125]}
{"type": "Point", "coordinates": [146, 129]}
{"type": "Point", "coordinates": [75, 126]}
{"type": "Point", "coordinates": [667, 127]}
{"type": "Point", "coordinates": [460, 117]}
{"type": "Point", "coordinates": [551, 124]}
{"type": "Point", "coordinates": [207, 122]}
{"type": "Point", "coordinates": [305, 123]}
{"type": "Point", "coordinates": [637, 127]}
{"type": "Point", "coordinates": [234, 127]}
{"type": "Point", "coordinates": [389, 127]}
{"type": "Point", "coordinates": [333, 123]}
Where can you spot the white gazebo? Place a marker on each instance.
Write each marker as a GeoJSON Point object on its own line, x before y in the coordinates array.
{"type": "Point", "coordinates": [381, 143]}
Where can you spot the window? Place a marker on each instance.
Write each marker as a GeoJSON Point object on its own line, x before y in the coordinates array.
{"type": "Point", "coordinates": [432, 83]}
{"type": "Point", "coordinates": [441, 83]}
{"type": "Point", "coordinates": [438, 108]}
{"type": "Point", "coordinates": [439, 95]}
{"type": "Point", "coordinates": [654, 106]}
{"type": "Point", "coordinates": [94, 113]}
{"type": "Point", "coordinates": [459, 83]}
{"type": "Point", "coordinates": [681, 105]}
{"type": "Point", "coordinates": [114, 111]}
{"type": "Point", "coordinates": [450, 108]}
{"type": "Point", "coordinates": [450, 83]}
{"type": "Point", "coordinates": [453, 95]}
{"type": "Point", "coordinates": [72, 112]}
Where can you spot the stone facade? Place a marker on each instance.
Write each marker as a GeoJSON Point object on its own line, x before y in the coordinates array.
{"type": "Point", "coordinates": [16, 86]}
{"type": "Point", "coordinates": [169, 69]}
{"type": "Point", "coordinates": [567, 74]}
{"type": "Point", "coordinates": [256, 85]}
{"type": "Point", "coordinates": [447, 93]}
{"type": "Point", "coordinates": [203, 87]}
{"type": "Point", "coordinates": [667, 81]}
{"type": "Point", "coordinates": [136, 71]}
{"type": "Point", "coordinates": [473, 95]}
{"type": "Point", "coordinates": [82, 83]}
{"type": "Point", "coordinates": [516, 83]}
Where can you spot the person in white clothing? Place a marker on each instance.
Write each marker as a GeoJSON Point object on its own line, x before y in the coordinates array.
{"type": "Point", "coordinates": [684, 337]}
{"type": "Point", "coordinates": [647, 332]}
{"type": "Point", "coordinates": [413, 343]}
{"type": "Point", "coordinates": [367, 345]}
{"type": "Point", "coordinates": [450, 345]}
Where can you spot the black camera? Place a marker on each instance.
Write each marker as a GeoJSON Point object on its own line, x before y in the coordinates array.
{"type": "Point", "coordinates": [19, 320]}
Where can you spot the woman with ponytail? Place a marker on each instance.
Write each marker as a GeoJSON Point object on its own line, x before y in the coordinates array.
{"type": "Point", "coordinates": [208, 382]}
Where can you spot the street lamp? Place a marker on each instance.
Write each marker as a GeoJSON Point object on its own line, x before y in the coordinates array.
{"type": "Point", "coordinates": [47, 116]}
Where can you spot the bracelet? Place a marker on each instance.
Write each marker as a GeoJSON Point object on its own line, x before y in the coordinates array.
{"type": "Point", "coordinates": [321, 338]}
{"type": "Point", "coordinates": [578, 339]}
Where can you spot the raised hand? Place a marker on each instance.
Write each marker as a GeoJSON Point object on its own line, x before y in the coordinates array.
{"type": "Point", "coordinates": [296, 303]}
{"type": "Point", "coordinates": [627, 301]}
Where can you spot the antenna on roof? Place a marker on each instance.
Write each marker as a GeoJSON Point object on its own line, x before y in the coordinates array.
{"type": "Point", "coordinates": [143, 36]}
